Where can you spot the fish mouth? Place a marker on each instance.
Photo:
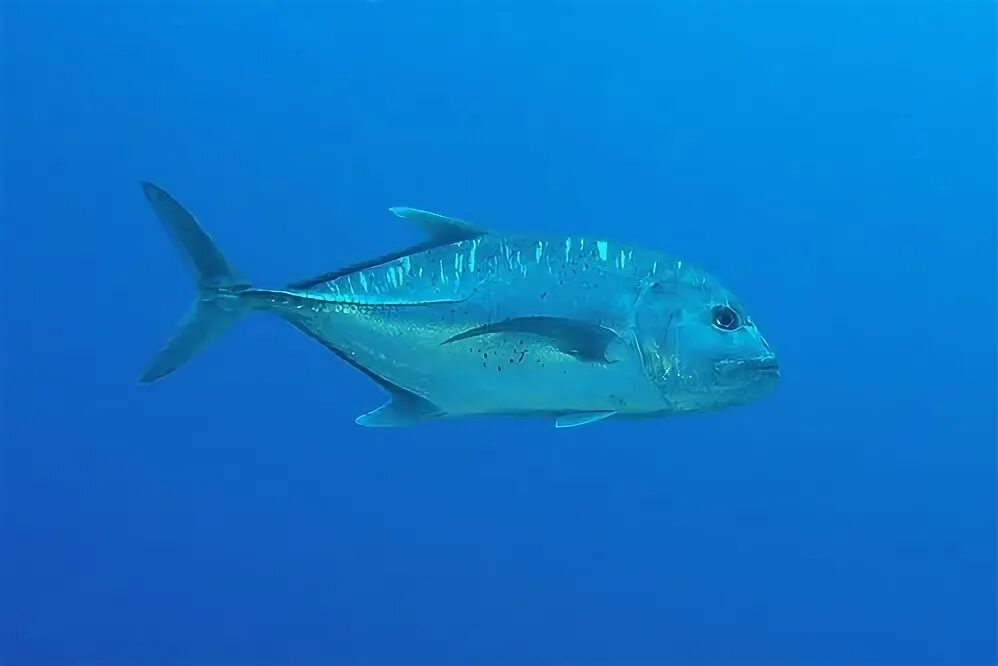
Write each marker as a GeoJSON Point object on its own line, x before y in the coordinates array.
{"type": "Point", "coordinates": [768, 370]}
{"type": "Point", "coordinates": [766, 366]}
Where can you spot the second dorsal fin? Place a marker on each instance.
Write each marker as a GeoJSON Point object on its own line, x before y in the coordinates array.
{"type": "Point", "coordinates": [439, 229]}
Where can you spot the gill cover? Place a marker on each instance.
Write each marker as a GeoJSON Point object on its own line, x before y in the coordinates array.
{"type": "Point", "coordinates": [656, 314]}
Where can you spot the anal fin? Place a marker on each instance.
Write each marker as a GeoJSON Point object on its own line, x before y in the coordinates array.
{"type": "Point", "coordinates": [404, 408]}
{"type": "Point", "coordinates": [580, 418]}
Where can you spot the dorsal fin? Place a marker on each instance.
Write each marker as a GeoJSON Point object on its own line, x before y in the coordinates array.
{"type": "Point", "coordinates": [308, 283]}
{"type": "Point", "coordinates": [439, 229]}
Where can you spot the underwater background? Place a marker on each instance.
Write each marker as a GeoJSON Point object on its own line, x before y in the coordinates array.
{"type": "Point", "coordinates": [832, 163]}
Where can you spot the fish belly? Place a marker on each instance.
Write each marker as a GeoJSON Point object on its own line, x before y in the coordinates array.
{"type": "Point", "coordinates": [493, 373]}
{"type": "Point", "coordinates": [509, 374]}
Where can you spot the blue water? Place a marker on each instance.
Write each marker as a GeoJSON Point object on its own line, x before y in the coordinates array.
{"type": "Point", "coordinates": [832, 163]}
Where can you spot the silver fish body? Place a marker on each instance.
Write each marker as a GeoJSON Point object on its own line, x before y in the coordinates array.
{"type": "Point", "coordinates": [475, 323]}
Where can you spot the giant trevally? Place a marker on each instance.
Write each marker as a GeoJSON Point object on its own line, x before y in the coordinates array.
{"type": "Point", "coordinates": [475, 322]}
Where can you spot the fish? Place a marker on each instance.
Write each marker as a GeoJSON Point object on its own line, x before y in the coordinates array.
{"type": "Point", "coordinates": [472, 322]}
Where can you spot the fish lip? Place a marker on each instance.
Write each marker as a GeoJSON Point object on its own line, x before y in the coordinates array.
{"type": "Point", "coordinates": [763, 367]}
{"type": "Point", "coordinates": [766, 363]}
{"type": "Point", "coordinates": [768, 370]}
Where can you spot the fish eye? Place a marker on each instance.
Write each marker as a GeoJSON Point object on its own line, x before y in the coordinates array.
{"type": "Point", "coordinates": [725, 318]}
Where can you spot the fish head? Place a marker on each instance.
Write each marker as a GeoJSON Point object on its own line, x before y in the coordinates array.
{"type": "Point", "coordinates": [700, 347]}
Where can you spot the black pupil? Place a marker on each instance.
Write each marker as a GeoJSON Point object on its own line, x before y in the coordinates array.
{"type": "Point", "coordinates": [726, 318]}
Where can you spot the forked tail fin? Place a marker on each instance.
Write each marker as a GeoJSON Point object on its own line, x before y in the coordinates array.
{"type": "Point", "coordinates": [218, 305]}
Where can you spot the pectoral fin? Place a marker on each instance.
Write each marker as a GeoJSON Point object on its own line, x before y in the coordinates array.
{"type": "Point", "coordinates": [585, 341]}
{"type": "Point", "coordinates": [580, 418]}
